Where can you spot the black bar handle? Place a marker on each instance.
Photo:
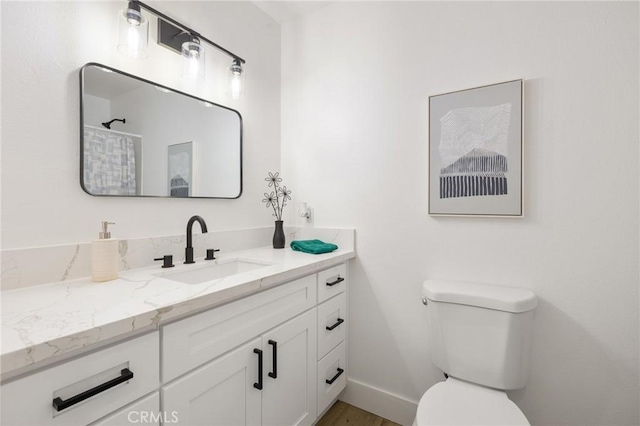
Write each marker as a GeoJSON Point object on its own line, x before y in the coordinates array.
{"type": "Point", "coordinates": [340, 321]}
{"type": "Point", "coordinates": [59, 404]}
{"type": "Point", "coordinates": [338, 281]}
{"type": "Point", "coordinates": [330, 382]}
{"type": "Point", "coordinates": [274, 373]}
{"type": "Point", "coordinates": [259, 384]}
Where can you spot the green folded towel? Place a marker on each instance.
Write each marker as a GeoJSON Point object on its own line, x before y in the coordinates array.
{"type": "Point", "coordinates": [313, 246]}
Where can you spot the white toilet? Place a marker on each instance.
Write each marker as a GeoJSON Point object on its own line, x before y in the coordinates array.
{"type": "Point", "coordinates": [480, 336]}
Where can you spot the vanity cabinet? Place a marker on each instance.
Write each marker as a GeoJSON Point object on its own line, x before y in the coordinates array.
{"type": "Point", "coordinates": [276, 357]}
{"type": "Point", "coordinates": [290, 366]}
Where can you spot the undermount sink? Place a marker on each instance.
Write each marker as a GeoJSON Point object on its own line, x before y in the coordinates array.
{"type": "Point", "coordinates": [214, 272]}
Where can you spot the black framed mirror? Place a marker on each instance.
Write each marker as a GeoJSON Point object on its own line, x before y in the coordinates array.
{"type": "Point", "coordinates": [142, 139]}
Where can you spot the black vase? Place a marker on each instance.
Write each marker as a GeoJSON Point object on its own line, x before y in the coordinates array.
{"type": "Point", "coordinates": [278, 236]}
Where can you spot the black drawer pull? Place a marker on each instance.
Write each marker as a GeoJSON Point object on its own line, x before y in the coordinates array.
{"type": "Point", "coordinates": [259, 384]}
{"type": "Point", "coordinates": [340, 321]}
{"type": "Point", "coordinates": [334, 378]}
{"type": "Point", "coordinates": [60, 404]}
{"type": "Point", "coordinates": [274, 373]}
{"type": "Point", "coordinates": [338, 281]}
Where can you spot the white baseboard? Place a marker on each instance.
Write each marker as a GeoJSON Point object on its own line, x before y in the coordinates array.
{"type": "Point", "coordinates": [380, 402]}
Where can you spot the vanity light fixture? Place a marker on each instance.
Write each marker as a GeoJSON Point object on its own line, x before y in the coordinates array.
{"type": "Point", "coordinates": [192, 60]}
{"type": "Point", "coordinates": [177, 37]}
{"type": "Point", "coordinates": [133, 32]}
{"type": "Point", "coordinates": [236, 79]}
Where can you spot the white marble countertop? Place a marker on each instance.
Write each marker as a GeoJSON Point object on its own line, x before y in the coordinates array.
{"type": "Point", "coordinates": [47, 321]}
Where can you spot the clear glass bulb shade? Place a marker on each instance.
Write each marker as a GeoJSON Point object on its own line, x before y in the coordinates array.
{"type": "Point", "coordinates": [133, 34]}
{"type": "Point", "coordinates": [236, 81]}
{"type": "Point", "coordinates": [192, 61]}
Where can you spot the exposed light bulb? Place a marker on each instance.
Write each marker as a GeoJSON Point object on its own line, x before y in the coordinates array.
{"type": "Point", "coordinates": [192, 60]}
{"type": "Point", "coordinates": [133, 32]}
{"type": "Point", "coordinates": [134, 18]}
{"type": "Point", "coordinates": [236, 79]}
{"type": "Point", "coordinates": [194, 53]}
{"type": "Point", "coordinates": [236, 88]}
{"type": "Point", "coordinates": [193, 66]}
{"type": "Point", "coordinates": [133, 40]}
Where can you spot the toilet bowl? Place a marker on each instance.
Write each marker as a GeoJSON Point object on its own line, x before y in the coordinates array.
{"type": "Point", "coordinates": [456, 402]}
{"type": "Point", "coordinates": [480, 337]}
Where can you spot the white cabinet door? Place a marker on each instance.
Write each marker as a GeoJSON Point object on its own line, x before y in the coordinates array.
{"type": "Point", "coordinates": [221, 392]}
{"type": "Point", "coordinates": [289, 394]}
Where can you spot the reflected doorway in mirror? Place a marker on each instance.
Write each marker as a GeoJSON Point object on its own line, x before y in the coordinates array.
{"type": "Point", "coordinates": [180, 169]}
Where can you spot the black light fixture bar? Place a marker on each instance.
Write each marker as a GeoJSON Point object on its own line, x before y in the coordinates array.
{"type": "Point", "coordinates": [172, 37]}
{"type": "Point", "coordinates": [186, 29]}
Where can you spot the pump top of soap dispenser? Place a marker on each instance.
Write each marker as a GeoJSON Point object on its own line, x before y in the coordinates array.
{"type": "Point", "coordinates": [105, 234]}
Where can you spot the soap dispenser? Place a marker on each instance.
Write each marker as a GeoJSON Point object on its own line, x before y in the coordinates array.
{"type": "Point", "coordinates": [105, 260]}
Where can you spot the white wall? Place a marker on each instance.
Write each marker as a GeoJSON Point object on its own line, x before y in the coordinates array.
{"type": "Point", "coordinates": [356, 80]}
{"type": "Point", "coordinates": [44, 44]}
{"type": "Point", "coordinates": [98, 110]}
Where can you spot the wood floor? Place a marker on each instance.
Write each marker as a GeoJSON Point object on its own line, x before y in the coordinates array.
{"type": "Point", "coordinates": [343, 414]}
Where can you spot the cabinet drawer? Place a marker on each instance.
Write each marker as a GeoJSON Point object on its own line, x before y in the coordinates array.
{"type": "Point", "coordinates": [332, 368]}
{"type": "Point", "coordinates": [193, 341]}
{"type": "Point", "coordinates": [30, 400]}
{"type": "Point", "coordinates": [146, 412]}
{"type": "Point", "coordinates": [331, 282]}
{"type": "Point", "coordinates": [332, 326]}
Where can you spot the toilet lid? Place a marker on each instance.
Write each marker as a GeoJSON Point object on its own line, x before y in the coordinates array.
{"type": "Point", "coordinates": [456, 402]}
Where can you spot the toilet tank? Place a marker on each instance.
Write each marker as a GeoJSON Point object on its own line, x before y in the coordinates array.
{"type": "Point", "coordinates": [480, 333]}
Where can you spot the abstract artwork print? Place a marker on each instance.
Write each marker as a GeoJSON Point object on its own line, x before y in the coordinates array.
{"type": "Point", "coordinates": [475, 151]}
{"type": "Point", "coordinates": [473, 145]}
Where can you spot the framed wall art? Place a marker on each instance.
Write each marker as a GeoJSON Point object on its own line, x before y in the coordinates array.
{"type": "Point", "coordinates": [475, 151]}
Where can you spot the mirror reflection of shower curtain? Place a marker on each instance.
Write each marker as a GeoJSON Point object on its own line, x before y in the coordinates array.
{"type": "Point", "coordinates": [109, 162]}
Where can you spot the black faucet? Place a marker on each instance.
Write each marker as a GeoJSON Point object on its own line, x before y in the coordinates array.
{"type": "Point", "coordinates": [188, 252]}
